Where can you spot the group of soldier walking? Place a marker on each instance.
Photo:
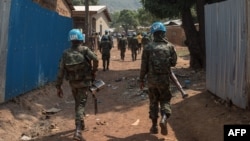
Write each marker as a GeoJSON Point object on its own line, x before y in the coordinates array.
{"type": "Point", "coordinates": [79, 64]}
{"type": "Point", "coordinates": [134, 42]}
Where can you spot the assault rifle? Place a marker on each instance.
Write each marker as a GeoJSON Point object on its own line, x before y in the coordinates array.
{"type": "Point", "coordinates": [177, 84]}
{"type": "Point", "coordinates": [95, 101]}
{"type": "Point", "coordinates": [175, 80]}
{"type": "Point", "coordinates": [92, 89]}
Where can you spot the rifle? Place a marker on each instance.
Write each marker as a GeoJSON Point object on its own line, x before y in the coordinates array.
{"type": "Point", "coordinates": [96, 86]}
{"type": "Point", "coordinates": [175, 80]}
{"type": "Point", "coordinates": [178, 85]}
{"type": "Point", "coordinates": [92, 89]}
{"type": "Point", "coordinates": [95, 102]}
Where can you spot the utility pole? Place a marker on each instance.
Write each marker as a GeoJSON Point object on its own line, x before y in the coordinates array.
{"type": "Point", "coordinates": [86, 21]}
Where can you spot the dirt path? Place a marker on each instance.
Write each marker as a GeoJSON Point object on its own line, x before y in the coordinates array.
{"type": "Point", "coordinates": [123, 109]}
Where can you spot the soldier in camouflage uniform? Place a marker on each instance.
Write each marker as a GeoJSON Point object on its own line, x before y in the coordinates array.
{"type": "Point", "coordinates": [78, 65]}
{"type": "Point", "coordinates": [123, 42]}
{"type": "Point", "coordinates": [105, 48]}
{"type": "Point", "coordinates": [157, 59]}
{"type": "Point", "coordinates": [134, 46]}
{"type": "Point", "coordinates": [145, 40]}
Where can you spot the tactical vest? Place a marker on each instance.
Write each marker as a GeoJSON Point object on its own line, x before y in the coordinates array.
{"type": "Point", "coordinates": [160, 58]}
{"type": "Point", "coordinates": [75, 64]}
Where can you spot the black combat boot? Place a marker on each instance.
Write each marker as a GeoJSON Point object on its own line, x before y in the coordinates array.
{"type": "Point", "coordinates": [78, 133]}
{"type": "Point", "coordinates": [163, 125]}
{"type": "Point", "coordinates": [154, 129]}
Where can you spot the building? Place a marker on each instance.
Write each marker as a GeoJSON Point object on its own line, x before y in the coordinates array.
{"type": "Point", "coordinates": [99, 18]}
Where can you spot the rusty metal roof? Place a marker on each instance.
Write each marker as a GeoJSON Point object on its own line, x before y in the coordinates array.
{"type": "Point", "coordinates": [95, 9]}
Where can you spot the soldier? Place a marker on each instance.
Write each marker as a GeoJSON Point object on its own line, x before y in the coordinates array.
{"type": "Point", "coordinates": [122, 45]}
{"type": "Point", "coordinates": [78, 65]}
{"type": "Point", "coordinates": [92, 41]}
{"type": "Point", "coordinates": [145, 39]}
{"type": "Point", "coordinates": [134, 46]}
{"type": "Point", "coordinates": [129, 37]}
{"type": "Point", "coordinates": [139, 38]}
{"type": "Point", "coordinates": [110, 38]}
{"type": "Point", "coordinates": [157, 59]}
{"type": "Point", "coordinates": [119, 36]}
{"type": "Point", "coordinates": [105, 48]}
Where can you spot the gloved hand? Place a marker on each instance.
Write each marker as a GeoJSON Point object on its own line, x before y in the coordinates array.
{"type": "Point", "coordinates": [59, 92]}
{"type": "Point", "coordinates": [142, 85]}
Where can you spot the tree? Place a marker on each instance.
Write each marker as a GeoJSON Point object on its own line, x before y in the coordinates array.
{"type": "Point", "coordinates": [82, 2]}
{"type": "Point", "coordinates": [145, 18]}
{"type": "Point", "coordinates": [128, 20]}
{"type": "Point", "coordinates": [195, 39]}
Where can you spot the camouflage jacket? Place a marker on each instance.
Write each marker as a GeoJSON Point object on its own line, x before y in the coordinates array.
{"type": "Point", "coordinates": [145, 40]}
{"type": "Point", "coordinates": [134, 43]}
{"type": "Point", "coordinates": [122, 43]}
{"type": "Point", "coordinates": [105, 47]}
{"type": "Point", "coordinates": [147, 62]}
{"type": "Point", "coordinates": [76, 65]}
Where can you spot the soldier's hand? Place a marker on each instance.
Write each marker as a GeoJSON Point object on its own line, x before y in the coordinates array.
{"type": "Point", "coordinates": [59, 92]}
{"type": "Point", "coordinates": [142, 85]}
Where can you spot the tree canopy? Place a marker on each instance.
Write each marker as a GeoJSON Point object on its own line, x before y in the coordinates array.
{"type": "Point", "coordinates": [195, 39]}
{"type": "Point", "coordinates": [81, 2]}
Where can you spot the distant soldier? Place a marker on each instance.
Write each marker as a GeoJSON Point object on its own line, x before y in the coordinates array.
{"type": "Point", "coordinates": [78, 65]}
{"type": "Point", "coordinates": [107, 35]}
{"type": "Point", "coordinates": [129, 37]}
{"type": "Point", "coordinates": [139, 38]}
{"type": "Point", "coordinates": [134, 46]}
{"type": "Point", "coordinates": [157, 59]}
{"type": "Point", "coordinates": [145, 39]}
{"type": "Point", "coordinates": [105, 48]}
{"type": "Point", "coordinates": [118, 39]}
{"type": "Point", "coordinates": [123, 42]}
{"type": "Point", "coordinates": [92, 41]}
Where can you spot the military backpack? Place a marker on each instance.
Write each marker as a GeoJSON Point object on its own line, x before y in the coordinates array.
{"type": "Point", "coordinates": [76, 64]}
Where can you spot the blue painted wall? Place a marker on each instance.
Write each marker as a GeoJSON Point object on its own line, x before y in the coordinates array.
{"type": "Point", "coordinates": [36, 40]}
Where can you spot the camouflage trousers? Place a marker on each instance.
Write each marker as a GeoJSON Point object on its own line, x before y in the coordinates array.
{"type": "Point", "coordinates": [80, 96]}
{"type": "Point", "coordinates": [134, 53]}
{"type": "Point", "coordinates": [122, 53]}
{"type": "Point", "coordinates": [159, 100]}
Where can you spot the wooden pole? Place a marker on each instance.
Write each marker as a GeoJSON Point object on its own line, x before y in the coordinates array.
{"type": "Point", "coordinates": [87, 21]}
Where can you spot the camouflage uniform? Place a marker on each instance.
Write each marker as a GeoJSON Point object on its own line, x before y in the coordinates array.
{"type": "Point", "coordinates": [77, 71]}
{"type": "Point", "coordinates": [105, 48]}
{"type": "Point", "coordinates": [122, 45]}
{"type": "Point", "coordinates": [145, 40]}
{"type": "Point", "coordinates": [158, 83]}
{"type": "Point", "coordinates": [134, 47]}
{"type": "Point", "coordinates": [110, 38]}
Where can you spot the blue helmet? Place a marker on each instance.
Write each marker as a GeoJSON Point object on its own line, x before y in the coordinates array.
{"type": "Point", "coordinates": [144, 34]}
{"type": "Point", "coordinates": [76, 34]}
{"type": "Point", "coordinates": [157, 26]}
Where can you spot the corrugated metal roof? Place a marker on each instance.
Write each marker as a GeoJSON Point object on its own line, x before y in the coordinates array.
{"type": "Point", "coordinates": [97, 8]}
{"type": "Point", "coordinates": [92, 9]}
{"type": "Point", "coordinates": [173, 22]}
